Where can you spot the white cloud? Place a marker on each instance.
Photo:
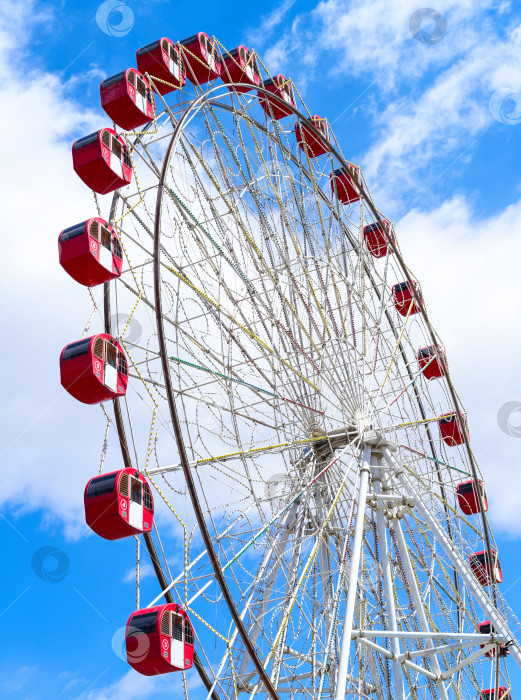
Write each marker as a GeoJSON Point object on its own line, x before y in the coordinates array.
{"type": "Point", "coordinates": [469, 273]}
{"type": "Point", "coordinates": [269, 23]}
{"type": "Point", "coordinates": [132, 685]}
{"type": "Point", "coordinates": [44, 466]}
{"type": "Point", "coordinates": [18, 679]}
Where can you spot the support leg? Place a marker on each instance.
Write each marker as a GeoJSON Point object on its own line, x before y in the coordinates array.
{"type": "Point", "coordinates": [389, 592]}
{"type": "Point", "coordinates": [345, 648]}
{"type": "Point", "coordinates": [418, 602]}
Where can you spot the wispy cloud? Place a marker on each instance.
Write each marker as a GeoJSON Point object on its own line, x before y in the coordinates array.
{"type": "Point", "coordinates": [259, 35]}
{"type": "Point", "coordinates": [423, 103]}
{"type": "Point", "coordinates": [145, 571]}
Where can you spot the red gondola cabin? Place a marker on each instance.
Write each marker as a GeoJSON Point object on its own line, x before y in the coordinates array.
{"type": "Point", "coordinates": [430, 360]}
{"type": "Point", "coordinates": [503, 694]}
{"type": "Point", "coordinates": [94, 369]}
{"type": "Point", "coordinates": [127, 99]}
{"type": "Point", "coordinates": [404, 299]}
{"type": "Point", "coordinates": [159, 640]}
{"type": "Point", "coordinates": [451, 430]}
{"type": "Point", "coordinates": [377, 237]}
{"type": "Point", "coordinates": [486, 628]}
{"type": "Point", "coordinates": [480, 568]}
{"type": "Point", "coordinates": [343, 180]}
{"type": "Point", "coordinates": [102, 161]}
{"type": "Point", "coordinates": [240, 66]}
{"type": "Point", "coordinates": [283, 89]}
{"type": "Point", "coordinates": [119, 504]}
{"type": "Point", "coordinates": [161, 60]}
{"type": "Point", "coordinates": [199, 55]}
{"type": "Point", "coordinates": [468, 496]}
{"type": "Point", "coordinates": [91, 252]}
{"type": "Point", "coordinates": [308, 141]}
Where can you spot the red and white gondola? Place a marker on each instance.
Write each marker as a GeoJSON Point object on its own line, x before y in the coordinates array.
{"type": "Point", "coordinates": [119, 504]}
{"type": "Point", "coordinates": [344, 182]}
{"type": "Point", "coordinates": [94, 369]}
{"type": "Point", "coordinates": [240, 66]}
{"type": "Point", "coordinates": [308, 141]}
{"type": "Point", "coordinates": [91, 252]}
{"type": "Point", "coordinates": [200, 56]}
{"type": "Point", "coordinates": [159, 640]}
{"type": "Point", "coordinates": [102, 161]}
{"type": "Point", "coordinates": [127, 99]}
{"type": "Point", "coordinates": [282, 88]}
{"type": "Point", "coordinates": [161, 59]}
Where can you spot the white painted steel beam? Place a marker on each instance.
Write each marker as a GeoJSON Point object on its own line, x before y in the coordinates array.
{"type": "Point", "coordinates": [418, 603]}
{"type": "Point", "coordinates": [483, 638]}
{"type": "Point", "coordinates": [345, 648]}
{"type": "Point", "coordinates": [463, 568]}
{"type": "Point", "coordinates": [389, 591]}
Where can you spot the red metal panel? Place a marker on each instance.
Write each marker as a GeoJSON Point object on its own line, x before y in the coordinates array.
{"type": "Point", "coordinates": [124, 103]}
{"type": "Point", "coordinates": [376, 238]}
{"type": "Point", "coordinates": [344, 179]}
{"type": "Point", "coordinates": [468, 497]}
{"type": "Point", "coordinates": [451, 431]}
{"type": "Point", "coordinates": [403, 298]}
{"type": "Point", "coordinates": [434, 368]}
{"type": "Point", "coordinates": [490, 694]}
{"type": "Point", "coordinates": [486, 627]}
{"type": "Point", "coordinates": [479, 564]}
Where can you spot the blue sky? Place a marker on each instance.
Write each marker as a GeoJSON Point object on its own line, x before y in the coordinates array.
{"type": "Point", "coordinates": [437, 130]}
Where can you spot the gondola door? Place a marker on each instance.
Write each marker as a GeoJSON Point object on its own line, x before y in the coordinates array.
{"type": "Point", "coordinates": [210, 54]}
{"type": "Point", "coordinates": [110, 378]}
{"type": "Point", "coordinates": [116, 153]}
{"type": "Point", "coordinates": [141, 95]}
{"type": "Point", "coordinates": [177, 657]}
{"type": "Point", "coordinates": [248, 61]}
{"type": "Point", "coordinates": [135, 516]}
{"type": "Point", "coordinates": [105, 249]}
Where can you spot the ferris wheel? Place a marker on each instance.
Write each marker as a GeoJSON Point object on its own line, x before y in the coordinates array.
{"type": "Point", "coordinates": [266, 363]}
